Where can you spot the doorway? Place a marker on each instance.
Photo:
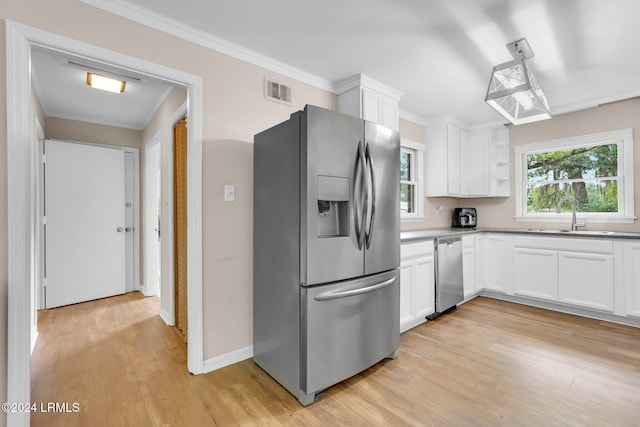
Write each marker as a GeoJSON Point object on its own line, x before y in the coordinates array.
{"type": "Point", "coordinates": [180, 225]}
{"type": "Point", "coordinates": [153, 217]}
{"type": "Point", "coordinates": [19, 41]}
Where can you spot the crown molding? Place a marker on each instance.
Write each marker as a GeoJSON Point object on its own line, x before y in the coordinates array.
{"type": "Point", "coordinates": [170, 26]}
{"type": "Point", "coordinates": [366, 81]}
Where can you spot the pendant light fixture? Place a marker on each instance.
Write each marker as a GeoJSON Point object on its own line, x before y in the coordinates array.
{"type": "Point", "coordinates": [513, 91]}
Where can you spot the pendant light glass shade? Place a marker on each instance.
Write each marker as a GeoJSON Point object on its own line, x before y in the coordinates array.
{"type": "Point", "coordinates": [515, 93]}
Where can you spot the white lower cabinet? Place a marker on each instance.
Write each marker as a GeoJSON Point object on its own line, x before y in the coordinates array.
{"type": "Point", "coordinates": [492, 253]}
{"type": "Point", "coordinates": [586, 280]}
{"type": "Point", "coordinates": [631, 278]}
{"type": "Point", "coordinates": [572, 271]}
{"type": "Point", "coordinates": [469, 265]}
{"type": "Point", "coordinates": [417, 292]}
{"type": "Point", "coordinates": [536, 273]}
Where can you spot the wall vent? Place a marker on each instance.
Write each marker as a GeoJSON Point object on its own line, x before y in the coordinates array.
{"type": "Point", "coordinates": [277, 92]}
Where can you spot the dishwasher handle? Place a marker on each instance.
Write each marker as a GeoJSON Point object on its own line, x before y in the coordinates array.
{"type": "Point", "coordinates": [352, 292]}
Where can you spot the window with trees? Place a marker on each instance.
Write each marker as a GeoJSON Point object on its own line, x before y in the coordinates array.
{"type": "Point", "coordinates": [595, 170]}
{"type": "Point", "coordinates": [411, 162]}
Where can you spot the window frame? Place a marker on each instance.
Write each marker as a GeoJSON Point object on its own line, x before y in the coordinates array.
{"type": "Point", "coordinates": [417, 167]}
{"type": "Point", "coordinates": [623, 138]}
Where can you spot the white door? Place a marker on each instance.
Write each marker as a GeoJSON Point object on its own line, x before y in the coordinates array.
{"type": "Point", "coordinates": [85, 221]}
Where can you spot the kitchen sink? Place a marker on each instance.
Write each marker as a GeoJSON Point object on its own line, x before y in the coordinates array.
{"type": "Point", "coordinates": [547, 230]}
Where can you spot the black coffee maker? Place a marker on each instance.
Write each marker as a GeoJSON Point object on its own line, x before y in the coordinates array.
{"type": "Point", "coordinates": [464, 218]}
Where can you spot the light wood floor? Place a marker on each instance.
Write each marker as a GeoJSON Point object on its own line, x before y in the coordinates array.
{"type": "Point", "coordinates": [489, 363]}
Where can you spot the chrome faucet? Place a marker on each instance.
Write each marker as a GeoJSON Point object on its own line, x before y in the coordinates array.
{"type": "Point", "coordinates": [574, 225]}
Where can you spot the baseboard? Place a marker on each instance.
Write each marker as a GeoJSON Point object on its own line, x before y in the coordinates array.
{"type": "Point", "coordinates": [549, 305]}
{"type": "Point", "coordinates": [143, 289]}
{"type": "Point", "coordinates": [34, 339]}
{"type": "Point", "coordinates": [412, 323]}
{"type": "Point", "coordinates": [227, 359]}
{"type": "Point", "coordinates": [164, 315]}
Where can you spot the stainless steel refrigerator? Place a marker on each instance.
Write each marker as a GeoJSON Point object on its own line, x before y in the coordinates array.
{"type": "Point", "coordinates": [326, 249]}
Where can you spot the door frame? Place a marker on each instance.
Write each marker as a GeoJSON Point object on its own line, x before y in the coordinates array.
{"type": "Point", "coordinates": [19, 40]}
{"type": "Point", "coordinates": [150, 177]}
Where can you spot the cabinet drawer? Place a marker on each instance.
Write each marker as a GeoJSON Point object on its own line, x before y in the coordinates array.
{"type": "Point", "coordinates": [412, 250]}
{"type": "Point", "coordinates": [569, 244]}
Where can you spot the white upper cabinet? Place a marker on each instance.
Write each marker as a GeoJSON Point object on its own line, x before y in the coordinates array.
{"type": "Point", "coordinates": [461, 163]}
{"type": "Point", "coordinates": [370, 100]}
{"type": "Point", "coordinates": [474, 164]}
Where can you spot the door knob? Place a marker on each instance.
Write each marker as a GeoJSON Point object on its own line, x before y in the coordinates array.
{"type": "Point", "coordinates": [128, 229]}
{"type": "Point", "coordinates": [119, 229]}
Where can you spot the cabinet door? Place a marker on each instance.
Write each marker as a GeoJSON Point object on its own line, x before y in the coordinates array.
{"type": "Point", "coordinates": [425, 290]}
{"type": "Point", "coordinates": [495, 263]}
{"type": "Point", "coordinates": [631, 276]}
{"type": "Point", "coordinates": [390, 113]}
{"type": "Point", "coordinates": [380, 109]}
{"type": "Point", "coordinates": [407, 274]}
{"type": "Point", "coordinates": [474, 163]}
{"type": "Point", "coordinates": [535, 273]}
{"type": "Point", "coordinates": [468, 265]}
{"type": "Point", "coordinates": [417, 291]}
{"type": "Point", "coordinates": [371, 106]}
{"type": "Point", "coordinates": [586, 280]}
{"type": "Point", "coordinates": [453, 160]}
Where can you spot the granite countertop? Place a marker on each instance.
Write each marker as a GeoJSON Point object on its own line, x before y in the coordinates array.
{"type": "Point", "coordinates": [433, 233]}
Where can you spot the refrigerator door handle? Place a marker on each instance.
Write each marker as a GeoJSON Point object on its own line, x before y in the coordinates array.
{"type": "Point", "coordinates": [358, 204]}
{"type": "Point", "coordinates": [353, 292]}
{"type": "Point", "coordinates": [372, 216]}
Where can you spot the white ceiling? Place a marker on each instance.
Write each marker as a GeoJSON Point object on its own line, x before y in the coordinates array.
{"type": "Point", "coordinates": [60, 82]}
{"type": "Point", "coordinates": [439, 53]}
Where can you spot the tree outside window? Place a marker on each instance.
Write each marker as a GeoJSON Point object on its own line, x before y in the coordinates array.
{"type": "Point", "coordinates": [596, 169]}
{"type": "Point", "coordinates": [589, 174]}
{"type": "Point", "coordinates": [407, 181]}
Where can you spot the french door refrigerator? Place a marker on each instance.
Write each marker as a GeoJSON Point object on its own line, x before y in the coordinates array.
{"type": "Point", "coordinates": [326, 249]}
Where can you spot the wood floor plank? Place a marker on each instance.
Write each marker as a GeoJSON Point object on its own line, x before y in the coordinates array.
{"type": "Point", "coordinates": [488, 363]}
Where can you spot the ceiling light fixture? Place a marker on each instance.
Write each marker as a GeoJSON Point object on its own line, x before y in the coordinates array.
{"type": "Point", "coordinates": [513, 91]}
{"type": "Point", "coordinates": [98, 81]}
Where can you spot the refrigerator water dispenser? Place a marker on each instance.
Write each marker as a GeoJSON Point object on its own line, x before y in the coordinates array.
{"type": "Point", "coordinates": [333, 206]}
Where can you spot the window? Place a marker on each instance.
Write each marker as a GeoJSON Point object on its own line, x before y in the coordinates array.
{"type": "Point", "coordinates": [411, 160]}
{"type": "Point", "coordinates": [595, 170]}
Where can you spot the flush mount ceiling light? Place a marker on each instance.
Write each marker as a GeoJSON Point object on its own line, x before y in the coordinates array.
{"type": "Point", "coordinates": [513, 91]}
{"type": "Point", "coordinates": [98, 81]}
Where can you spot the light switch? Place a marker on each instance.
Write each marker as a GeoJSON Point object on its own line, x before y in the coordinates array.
{"type": "Point", "coordinates": [229, 193]}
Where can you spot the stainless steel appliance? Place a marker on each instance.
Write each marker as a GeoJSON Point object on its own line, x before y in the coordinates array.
{"type": "Point", "coordinates": [449, 280]}
{"type": "Point", "coordinates": [326, 249]}
{"type": "Point", "coordinates": [464, 218]}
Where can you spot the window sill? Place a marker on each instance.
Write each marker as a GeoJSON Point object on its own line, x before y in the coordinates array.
{"type": "Point", "coordinates": [412, 219]}
{"type": "Point", "coordinates": [580, 218]}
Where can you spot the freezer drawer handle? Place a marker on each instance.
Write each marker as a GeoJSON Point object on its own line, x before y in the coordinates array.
{"type": "Point", "coordinates": [352, 292]}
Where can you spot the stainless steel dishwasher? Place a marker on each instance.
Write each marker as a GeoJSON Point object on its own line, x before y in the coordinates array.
{"type": "Point", "coordinates": [449, 281]}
